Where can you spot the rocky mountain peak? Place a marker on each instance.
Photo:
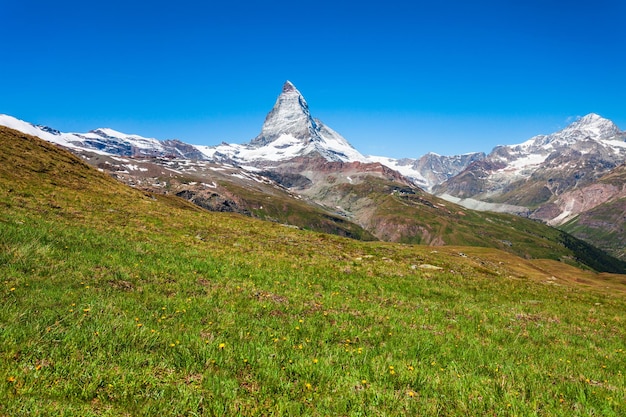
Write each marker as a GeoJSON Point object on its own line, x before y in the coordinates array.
{"type": "Point", "coordinates": [290, 130]}
{"type": "Point", "coordinates": [289, 87]}
{"type": "Point", "coordinates": [289, 116]}
{"type": "Point", "coordinates": [593, 126]}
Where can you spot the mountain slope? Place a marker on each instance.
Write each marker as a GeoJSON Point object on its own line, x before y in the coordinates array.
{"type": "Point", "coordinates": [173, 167]}
{"type": "Point", "coordinates": [390, 207]}
{"type": "Point", "coordinates": [301, 173]}
{"type": "Point", "coordinates": [431, 169]}
{"type": "Point", "coordinates": [604, 221]}
{"type": "Point", "coordinates": [224, 188]}
{"type": "Point", "coordinates": [110, 294]}
{"type": "Point", "coordinates": [106, 141]}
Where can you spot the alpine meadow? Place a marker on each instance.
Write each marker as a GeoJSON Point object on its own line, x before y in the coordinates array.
{"type": "Point", "coordinates": [120, 301]}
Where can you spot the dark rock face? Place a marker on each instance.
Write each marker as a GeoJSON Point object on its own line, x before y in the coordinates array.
{"type": "Point", "coordinates": [183, 150]}
{"type": "Point", "coordinates": [288, 180]}
{"type": "Point", "coordinates": [212, 202]}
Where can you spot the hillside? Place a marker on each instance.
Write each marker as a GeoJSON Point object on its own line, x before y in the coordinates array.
{"type": "Point", "coordinates": [604, 222]}
{"type": "Point", "coordinates": [359, 200]}
{"type": "Point", "coordinates": [224, 188]}
{"type": "Point", "coordinates": [121, 302]}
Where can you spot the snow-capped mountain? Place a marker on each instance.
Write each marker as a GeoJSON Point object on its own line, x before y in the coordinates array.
{"type": "Point", "coordinates": [430, 169]}
{"type": "Point", "coordinates": [591, 144]}
{"type": "Point", "coordinates": [106, 141]}
{"type": "Point", "coordinates": [536, 172]}
{"type": "Point", "coordinates": [289, 131]}
{"type": "Point", "coordinates": [587, 135]}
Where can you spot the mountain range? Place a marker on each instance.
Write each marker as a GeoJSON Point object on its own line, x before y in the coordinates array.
{"type": "Point", "coordinates": [301, 172]}
{"type": "Point", "coordinates": [289, 131]}
{"type": "Point", "coordinates": [565, 179]}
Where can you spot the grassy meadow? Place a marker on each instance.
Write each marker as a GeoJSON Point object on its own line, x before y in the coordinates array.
{"type": "Point", "coordinates": [115, 302]}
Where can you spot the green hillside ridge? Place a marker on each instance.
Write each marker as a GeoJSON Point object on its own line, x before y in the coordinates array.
{"type": "Point", "coordinates": [287, 210]}
{"type": "Point", "coordinates": [120, 302]}
{"type": "Point", "coordinates": [400, 214]}
{"type": "Point", "coordinates": [361, 201]}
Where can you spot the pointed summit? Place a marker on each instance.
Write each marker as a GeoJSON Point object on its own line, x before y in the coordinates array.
{"type": "Point", "coordinates": [290, 129]}
{"type": "Point", "coordinates": [289, 116]}
{"type": "Point", "coordinates": [288, 87]}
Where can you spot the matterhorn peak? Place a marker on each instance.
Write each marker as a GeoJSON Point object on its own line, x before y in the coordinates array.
{"type": "Point", "coordinates": [289, 116]}
{"type": "Point", "coordinates": [290, 130]}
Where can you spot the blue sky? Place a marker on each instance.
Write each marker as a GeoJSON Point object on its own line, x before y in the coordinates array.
{"type": "Point", "coordinates": [395, 78]}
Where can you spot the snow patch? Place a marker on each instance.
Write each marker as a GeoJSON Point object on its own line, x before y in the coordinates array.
{"type": "Point", "coordinates": [473, 204]}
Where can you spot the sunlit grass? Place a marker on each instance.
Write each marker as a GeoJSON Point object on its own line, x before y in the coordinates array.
{"type": "Point", "coordinates": [104, 324]}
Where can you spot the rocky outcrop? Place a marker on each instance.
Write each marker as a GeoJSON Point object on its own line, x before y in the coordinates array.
{"type": "Point", "coordinates": [570, 204]}
{"type": "Point", "coordinates": [212, 201]}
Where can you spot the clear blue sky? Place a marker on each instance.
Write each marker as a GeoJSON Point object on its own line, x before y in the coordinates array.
{"type": "Point", "coordinates": [395, 78]}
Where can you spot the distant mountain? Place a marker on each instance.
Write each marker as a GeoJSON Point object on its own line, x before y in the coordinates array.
{"type": "Point", "coordinates": [558, 178]}
{"type": "Point", "coordinates": [431, 169]}
{"type": "Point", "coordinates": [289, 131]}
{"type": "Point", "coordinates": [105, 140]}
{"type": "Point", "coordinates": [540, 170]}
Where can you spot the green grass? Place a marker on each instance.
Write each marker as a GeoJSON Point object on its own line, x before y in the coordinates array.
{"type": "Point", "coordinates": [114, 302]}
